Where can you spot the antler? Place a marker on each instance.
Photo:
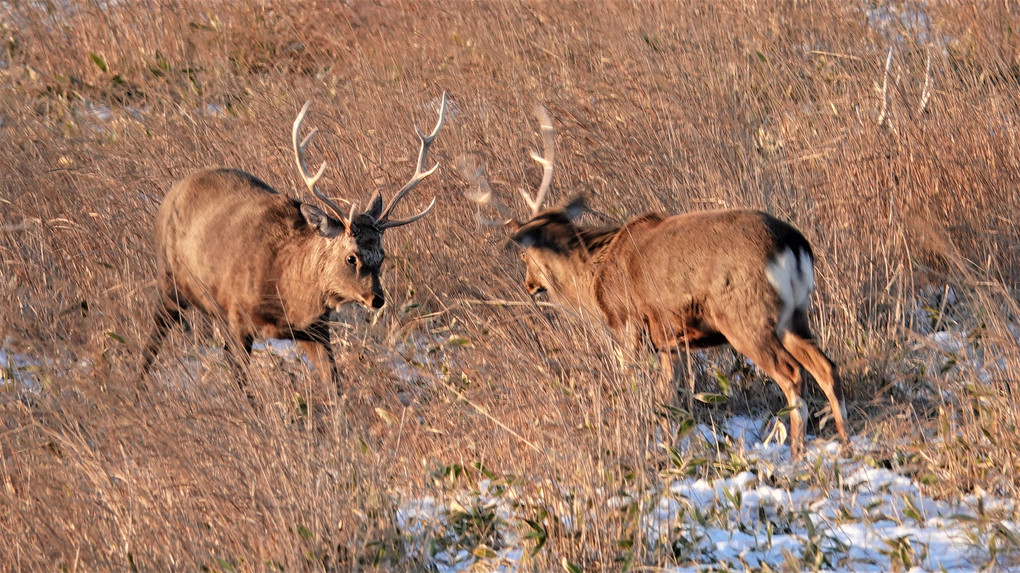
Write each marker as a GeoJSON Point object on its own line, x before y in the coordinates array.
{"type": "Point", "coordinates": [383, 221]}
{"type": "Point", "coordinates": [310, 180]}
{"type": "Point", "coordinates": [479, 191]}
{"type": "Point", "coordinates": [545, 160]}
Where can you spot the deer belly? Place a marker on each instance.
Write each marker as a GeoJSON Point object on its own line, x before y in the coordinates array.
{"type": "Point", "coordinates": [681, 330]}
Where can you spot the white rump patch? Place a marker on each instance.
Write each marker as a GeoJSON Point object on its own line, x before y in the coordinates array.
{"type": "Point", "coordinates": [793, 276]}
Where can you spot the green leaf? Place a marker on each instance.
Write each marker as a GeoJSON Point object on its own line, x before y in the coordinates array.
{"type": "Point", "coordinates": [571, 567]}
{"type": "Point", "coordinates": [910, 509]}
{"type": "Point", "coordinates": [734, 497]}
{"type": "Point", "coordinates": [484, 470]}
{"type": "Point", "coordinates": [483, 552]}
{"type": "Point", "coordinates": [700, 517]}
{"type": "Point", "coordinates": [710, 398]}
{"type": "Point", "coordinates": [762, 57]}
{"type": "Point", "coordinates": [675, 458]}
{"type": "Point", "coordinates": [386, 416]}
{"type": "Point", "coordinates": [809, 525]}
{"type": "Point", "coordinates": [1006, 534]}
{"type": "Point", "coordinates": [305, 532]}
{"type": "Point", "coordinates": [99, 61]}
{"type": "Point", "coordinates": [684, 428]}
{"type": "Point", "coordinates": [948, 365]}
{"type": "Point", "coordinates": [459, 341]}
{"type": "Point", "coordinates": [538, 533]}
{"type": "Point", "coordinates": [724, 383]}
{"type": "Point", "coordinates": [785, 411]}
{"type": "Point", "coordinates": [116, 336]}
{"type": "Point", "coordinates": [696, 462]}
{"type": "Point", "coordinates": [675, 412]}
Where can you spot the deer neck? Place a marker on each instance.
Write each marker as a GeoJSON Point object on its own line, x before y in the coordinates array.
{"type": "Point", "coordinates": [589, 257]}
{"type": "Point", "coordinates": [302, 264]}
{"type": "Point", "coordinates": [573, 278]}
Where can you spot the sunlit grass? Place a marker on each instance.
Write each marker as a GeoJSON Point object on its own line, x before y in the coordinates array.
{"type": "Point", "coordinates": [532, 441]}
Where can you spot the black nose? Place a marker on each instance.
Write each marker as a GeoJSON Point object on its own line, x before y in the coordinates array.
{"type": "Point", "coordinates": [378, 301]}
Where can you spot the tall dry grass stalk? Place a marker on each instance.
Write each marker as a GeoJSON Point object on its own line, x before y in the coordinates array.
{"type": "Point", "coordinates": [659, 106]}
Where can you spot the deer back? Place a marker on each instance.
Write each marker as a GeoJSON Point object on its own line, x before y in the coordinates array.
{"type": "Point", "coordinates": [232, 245]}
{"type": "Point", "coordinates": [694, 270]}
{"type": "Point", "coordinates": [228, 241]}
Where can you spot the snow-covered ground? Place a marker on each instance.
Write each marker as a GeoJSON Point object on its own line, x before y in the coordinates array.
{"type": "Point", "coordinates": [868, 519]}
{"type": "Point", "coordinates": [766, 513]}
{"type": "Point", "coordinates": [772, 514]}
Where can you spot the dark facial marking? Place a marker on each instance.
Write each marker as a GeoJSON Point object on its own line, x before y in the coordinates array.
{"type": "Point", "coordinates": [368, 240]}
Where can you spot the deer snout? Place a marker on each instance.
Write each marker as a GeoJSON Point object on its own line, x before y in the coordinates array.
{"type": "Point", "coordinates": [373, 299]}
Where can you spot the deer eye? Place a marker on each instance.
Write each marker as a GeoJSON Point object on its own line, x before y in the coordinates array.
{"type": "Point", "coordinates": [352, 260]}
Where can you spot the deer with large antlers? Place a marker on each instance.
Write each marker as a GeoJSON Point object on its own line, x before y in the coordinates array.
{"type": "Point", "coordinates": [268, 265]}
{"type": "Point", "coordinates": [694, 280]}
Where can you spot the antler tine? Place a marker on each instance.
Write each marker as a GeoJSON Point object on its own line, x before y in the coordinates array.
{"type": "Point", "coordinates": [351, 216]}
{"type": "Point", "coordinates": [311, 180]}
{"type": "Point", "coordinates": [479, 191]}
{"type": "Point", "coordinates": [419, 174]}
{"type": "Point", "coordinates": [390, 224]}
{"type": "Point", "coordinates": [545, 160]}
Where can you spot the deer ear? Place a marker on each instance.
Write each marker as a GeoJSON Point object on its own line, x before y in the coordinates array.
{"type": "Point", "coordinates": [576, 207]}
{"type": "Point", "coordinates": [375, 207]}
{"type": "Point", "coordinates": [327, 226]}
{"type": "Point", "coordinates": [528, 238]}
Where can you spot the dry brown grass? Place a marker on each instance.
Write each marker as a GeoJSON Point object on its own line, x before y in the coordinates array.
{"type": "Point", "coordinates": [659, 106]}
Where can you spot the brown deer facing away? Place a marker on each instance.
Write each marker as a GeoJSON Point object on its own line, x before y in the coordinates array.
{"type": "Point", "coordinates": [694, 280]}
{"type": "Point", "coordinates": [268, 265]}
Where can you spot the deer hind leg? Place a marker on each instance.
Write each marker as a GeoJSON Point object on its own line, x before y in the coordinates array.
{"type": "Point", "coordinates": [769, 354]}
{"type": "Point", "coordinates": [800, 344]}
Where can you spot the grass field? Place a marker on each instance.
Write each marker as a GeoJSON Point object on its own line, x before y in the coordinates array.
{"type": "Point", "coordinates": [479, 429]}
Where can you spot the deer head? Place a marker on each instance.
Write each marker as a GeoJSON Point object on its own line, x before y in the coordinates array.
{"type": "Point", "coordinates": [555, 249]}
{"type": "Point", "coordinates": [352, 242]}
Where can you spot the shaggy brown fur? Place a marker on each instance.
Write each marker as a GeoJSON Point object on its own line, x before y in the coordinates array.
{"type": "Point", "coordinates": [263, 263]}
{"type": "Point", "coordinates": [694, 280]}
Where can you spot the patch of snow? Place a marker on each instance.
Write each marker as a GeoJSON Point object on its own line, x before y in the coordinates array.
{"type": "Point", "coordinates": [428, 519]}
{"type": "Point", "coordinates": [283, 349]}
{"type": "Point", "coordinates": [948, 341]}
{"type": "Point", "coordinates": [215, 110]}
{"type": "Point", "coordinates": [99, 111]}
{"type": "Point", "coordinates": [19, 370]}
{"type": "Point", "coordinates": [866, 521]}
{"type": "Point", "coordinates": [421, 358]}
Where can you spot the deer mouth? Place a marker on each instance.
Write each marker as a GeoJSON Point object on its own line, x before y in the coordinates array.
{"type": "Point", "coordinates": [370, 301]}
{"type": "Point", "coordinates": [337, 301]}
